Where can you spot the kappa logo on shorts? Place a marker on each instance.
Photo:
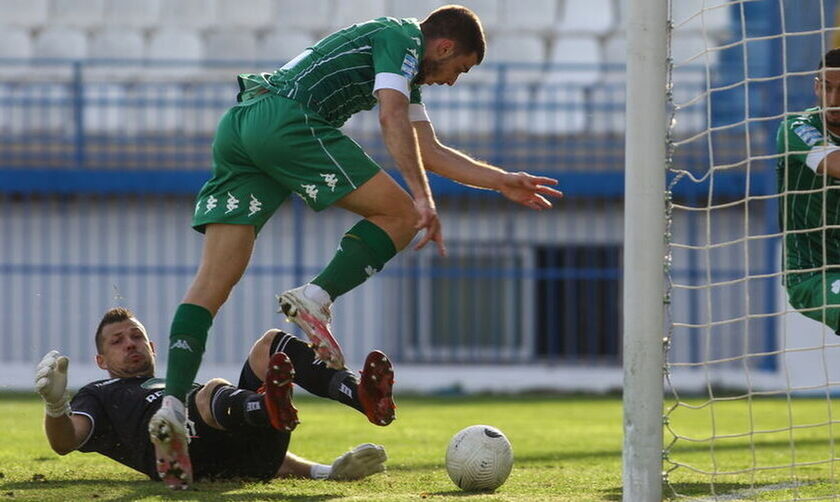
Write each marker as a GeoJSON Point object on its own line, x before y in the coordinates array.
{"type": "Point", "coordinates": [370, 271]}
{"type": "Point", "coordinates": [232, 203]}
{"type": "Point", "coordinates": [835, 287]}
{"type": "Point", "coordinates": [311, 191]}
{"type": "Point", "coordinates": [211, 204]}
{"type": "Point", "coordinates": [254, 207]}
{"type": "Point", "coordinates": [331, 180]}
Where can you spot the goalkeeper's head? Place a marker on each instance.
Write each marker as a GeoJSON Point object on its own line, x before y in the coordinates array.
{"type": "Point", "coordinates": [827, 87]}
{"type": "Point", "coordinates": [123, 348]}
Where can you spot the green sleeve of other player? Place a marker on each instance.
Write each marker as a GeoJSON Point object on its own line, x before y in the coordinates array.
{"type": "Point", "coordinates": [797, 137]}
{"type": "Point", "coordinates": [415, 96]}
{"type": "Point", "coordinates": [395, 51]}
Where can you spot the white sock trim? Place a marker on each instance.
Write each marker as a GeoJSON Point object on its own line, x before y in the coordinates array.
{"type": "Point", "coordinates": [317, 294]}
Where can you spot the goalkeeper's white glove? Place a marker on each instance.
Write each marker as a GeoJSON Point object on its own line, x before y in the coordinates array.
{"type": "Point", "coordinates": [51, 383]}
{"type": "Point", "coordinates": [360, 462]}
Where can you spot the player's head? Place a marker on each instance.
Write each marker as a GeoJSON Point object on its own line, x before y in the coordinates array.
{"type": "Point", "coordinates": [122, 347]}
{"type": "Point", "coordinates": [827, 86]}
{"type": "Point", "coordinates": [453, 43]}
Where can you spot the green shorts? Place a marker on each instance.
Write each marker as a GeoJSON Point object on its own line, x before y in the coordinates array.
{"type": "Point", "coordinates": [813, 294]}
{"type": "Point", "coordinates": [269, 147]}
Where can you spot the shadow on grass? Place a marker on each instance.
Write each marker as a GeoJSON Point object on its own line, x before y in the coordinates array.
{"type": "Point", "coordinates": [130, 490]}
{"type": "Point", "coordinates": [681, 490]}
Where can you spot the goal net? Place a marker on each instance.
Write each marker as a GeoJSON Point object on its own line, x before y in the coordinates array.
{"type": "Point", "coordinates": [752, 381]}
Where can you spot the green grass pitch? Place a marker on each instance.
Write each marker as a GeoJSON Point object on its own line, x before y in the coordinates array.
{"type": "Point", "coordinates": [566, 449]}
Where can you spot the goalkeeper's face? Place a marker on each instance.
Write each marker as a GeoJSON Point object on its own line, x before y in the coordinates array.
{"type": "Point", "coordinates": [126, 350]}
{"type": "Point", "coordinates": [827, 88]}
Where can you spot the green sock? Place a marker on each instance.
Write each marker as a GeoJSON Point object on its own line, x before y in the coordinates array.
{"type": "Point", "coordinates": [186, 346]}
{"type": "Point", "coordinates": [363, 251]}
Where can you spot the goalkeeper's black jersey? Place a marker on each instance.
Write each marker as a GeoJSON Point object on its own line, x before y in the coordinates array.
{"type": "Point", "coordinates": [120, 410]}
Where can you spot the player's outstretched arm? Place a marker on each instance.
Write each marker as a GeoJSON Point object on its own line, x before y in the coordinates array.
{"type": "Point", "coordinates": [360, 462]}
{"type": "Point", "coordinates": [521, 187]}
{"type": "Point", "coordinates": [65, 432]}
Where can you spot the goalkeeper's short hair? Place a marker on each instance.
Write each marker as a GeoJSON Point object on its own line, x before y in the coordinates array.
{"type": "Point", "coordinates": [830, 59]}
{"type": "Point", "coordinates": [113, 315]}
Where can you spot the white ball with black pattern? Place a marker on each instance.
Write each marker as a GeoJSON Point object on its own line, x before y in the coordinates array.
{"type": "Point", "coordinates": [479, 458]}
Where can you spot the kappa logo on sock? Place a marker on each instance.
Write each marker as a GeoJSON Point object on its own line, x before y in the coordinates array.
{"type": "Point", "coordinates": [344, 389]}
{"type": "Point", "coordinates": [181, 344]}
{"type": "Point", "coordinates": [253, 406]}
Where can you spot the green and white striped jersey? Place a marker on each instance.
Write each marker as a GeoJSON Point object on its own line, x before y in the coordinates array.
{"type": "Point", "coordinates": [337, 76]}
{"type": "Point", "coordinates": [806, 208]}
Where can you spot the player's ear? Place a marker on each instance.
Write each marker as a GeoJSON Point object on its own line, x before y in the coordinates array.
{"type": "Point", "coordinates": [100, 361]}
{"type": "Point", "coordinates": [445, 48]}
{"type": "Point", "coordinates": [152, 345]}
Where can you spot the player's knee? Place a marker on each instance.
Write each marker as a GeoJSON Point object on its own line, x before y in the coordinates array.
{"type": "Point", "coordinates": [203, 399]}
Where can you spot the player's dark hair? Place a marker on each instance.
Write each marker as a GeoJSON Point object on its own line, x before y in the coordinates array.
{"type": "Point", "coordinates": [831, 59]}
{"type": "Point", "coordinates": [458, 24]}
{"type": "Point", "coordinates": [116, 314]}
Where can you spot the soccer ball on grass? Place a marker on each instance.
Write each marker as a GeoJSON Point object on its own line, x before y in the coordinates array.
{"type": "Point", "coordinates": [479, 458]}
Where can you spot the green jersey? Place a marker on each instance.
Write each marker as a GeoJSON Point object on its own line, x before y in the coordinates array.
{"type": "Point", "coordinates": [807, 207]}
{"type": "Point", "coordinates": [339, 75]}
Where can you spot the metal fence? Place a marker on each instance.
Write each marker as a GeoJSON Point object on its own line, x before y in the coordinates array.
{"type": "Point", "coordinates": [99, 163]}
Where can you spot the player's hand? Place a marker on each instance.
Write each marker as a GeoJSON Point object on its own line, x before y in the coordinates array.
{"type": "Point", "coordinates": [429, 220]}
{"type": "Point", "coordinates": [529, 190]}
{"type": "Point", "coordinates": [51, 383]}
{"type": "Point", "coordinates": [360, 462]}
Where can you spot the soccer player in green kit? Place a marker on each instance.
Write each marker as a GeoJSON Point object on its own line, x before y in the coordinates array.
{"type": "Point", "coordinates": [809, 177]}
{"type": "Point", "coordinates": [283, 137]}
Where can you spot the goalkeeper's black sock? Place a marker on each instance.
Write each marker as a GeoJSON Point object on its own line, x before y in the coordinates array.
{"type": "Point", "coordinates": [234, 408]}
{"type": "Point", "coordinates": [313, 375]}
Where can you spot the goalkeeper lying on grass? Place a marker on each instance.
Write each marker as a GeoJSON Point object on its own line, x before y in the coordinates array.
{"type": "Point", "coordinates": [236, 432]}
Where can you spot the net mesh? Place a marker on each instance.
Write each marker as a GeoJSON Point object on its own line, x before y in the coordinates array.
{"type": "Point", "coordinates": [750, 411]}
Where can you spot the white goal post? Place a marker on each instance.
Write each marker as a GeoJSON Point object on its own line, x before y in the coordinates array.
{"type": "Point", "coordinates": [644, 229]}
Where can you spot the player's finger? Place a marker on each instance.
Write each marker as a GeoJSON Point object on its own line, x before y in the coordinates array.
{"type": "Point", "coordinates": [425, 240]}
{"type": "Point", "coordinates": [43, 372]}
{"type": "Point", "coordinates": [61, 364]}
{"type": "Point", "coordinates": [549, 191]}
{"type": "Point", "coordinates": [48, 357]}
{"type": "Point", "coordinates": [542, 201]}
{"type": "Point", "coordinates": [543, 180]}
{"type": "Point", "coordinates": [440, 245]}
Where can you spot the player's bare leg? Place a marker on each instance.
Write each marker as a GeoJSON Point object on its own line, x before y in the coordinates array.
{"type": "Point", "coordinates": [388, 227]}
